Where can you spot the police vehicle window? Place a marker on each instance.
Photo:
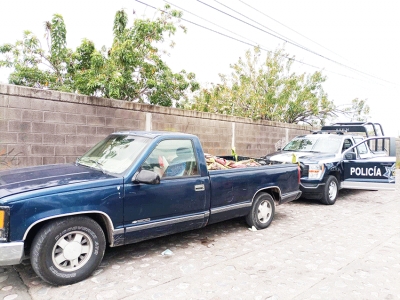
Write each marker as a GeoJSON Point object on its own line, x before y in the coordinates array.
{"type": "Point", "coordinates": [323, 146]}
{"type": "Point", "coordinates": [314, 144]}
{"type": "Point", "coordinates": [362, 148]}
{"type": "Point", "coordinates": [172, 158]}
{"type": "Point", "coordinates": [347, 144]}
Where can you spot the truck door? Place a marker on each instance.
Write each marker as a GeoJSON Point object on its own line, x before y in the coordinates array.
{"type": "Point", "coordinates": [178, 203]}
{"type": "Point", "coordinates": [371, 170]}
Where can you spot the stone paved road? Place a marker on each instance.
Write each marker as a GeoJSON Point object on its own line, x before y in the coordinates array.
{"type": "Point", "coordinates": [350, 250]}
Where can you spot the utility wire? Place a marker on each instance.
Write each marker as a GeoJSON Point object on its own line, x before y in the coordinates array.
{"type": "Point", "coordinates": [290, 28]}
{"type": "Point", "coordinates": [217, 32]}
{"type": "Point", "coordinates": [299, 46]}
{"type": "Point", "coordinates": [225, 35]}
{"type": "Point", "coordinates": [249, 44]}
{"type": "Point", "coordinates": [283, 37]}
{"type": "Point", "coordinates": [185, 10]}
{"type": "Point", "coordinates": [255, 43]}
{"type": "Point", "coordinates": [297, 32]}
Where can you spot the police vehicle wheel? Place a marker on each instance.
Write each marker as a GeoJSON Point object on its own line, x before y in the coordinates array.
{"type": "Point", "coordinates": [67, 250]}
{"type": "Point", "coordinates": [262, 211]}
{"type": "Point", "coordinates": [330, 191]}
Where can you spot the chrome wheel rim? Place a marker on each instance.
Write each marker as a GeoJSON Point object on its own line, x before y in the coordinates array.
{"type": "Point", "coordinates": [264, 211]}
{"type": "Point", "coordinates": [332, 190]}
{"type": "Point", "coordinates": [72, 251]}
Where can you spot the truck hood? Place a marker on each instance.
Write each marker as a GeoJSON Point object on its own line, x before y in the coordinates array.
{"type": "Point", "coordinates": [34, 178]}
{"type": "Point", "coordinates": [286, 156]}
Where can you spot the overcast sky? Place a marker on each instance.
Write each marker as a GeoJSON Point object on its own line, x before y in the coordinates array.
{"type": "Point", "coordinates": [354, 42]}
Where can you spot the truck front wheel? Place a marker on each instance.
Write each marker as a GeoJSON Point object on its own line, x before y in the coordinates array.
{"type": "Point", "coordinates": [330, 191]}
{"type": "Point", "coordinates": [262, 211]}
{"type": "Point", "coordinates": [67, 250]}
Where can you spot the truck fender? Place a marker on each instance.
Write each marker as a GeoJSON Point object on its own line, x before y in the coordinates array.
{"type": "Point", "coordinates": [274, 191]}
{"type": "Point", "coordinates": [114, 236]}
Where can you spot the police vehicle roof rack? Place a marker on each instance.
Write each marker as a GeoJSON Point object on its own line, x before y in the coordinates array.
{"type": "Point", "coordinates": [328, 131]}
{"type": "Point", "coordinates": [356, 127]}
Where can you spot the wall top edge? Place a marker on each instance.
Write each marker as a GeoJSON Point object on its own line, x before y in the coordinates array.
{"type": "Point", "coordinates": [28, 92]}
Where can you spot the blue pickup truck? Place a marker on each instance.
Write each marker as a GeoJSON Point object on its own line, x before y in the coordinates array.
{"type": "Point", "coordinates": [132, 186]}
{"type": "Point", "coordinates": [352, 155]}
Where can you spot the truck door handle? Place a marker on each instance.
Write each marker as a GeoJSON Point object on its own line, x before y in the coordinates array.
{"type": "Point", "coordinates": [199, 187]}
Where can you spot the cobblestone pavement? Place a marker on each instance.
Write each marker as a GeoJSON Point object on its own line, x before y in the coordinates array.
{"type": "Point", "coordinates": [350, 250]}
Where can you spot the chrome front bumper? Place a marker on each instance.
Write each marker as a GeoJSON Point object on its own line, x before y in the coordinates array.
{"type": "Point", "coordinates": [11, 253]}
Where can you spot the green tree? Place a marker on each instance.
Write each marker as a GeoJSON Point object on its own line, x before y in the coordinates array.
{"type": "Point", "coordinates": [35, 67]}
{"type": "Point", "coordinates": [267, 90]}
{"type": "Point", "coordinates": [358, 110]}
{"type": "Point", "coordinates": [131, 69]}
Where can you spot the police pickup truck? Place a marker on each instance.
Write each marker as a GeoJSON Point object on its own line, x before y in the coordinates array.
{"type": "Point", "coordinates": [130, 187]}
{"type": "Point", "coordinates": [335, 158]}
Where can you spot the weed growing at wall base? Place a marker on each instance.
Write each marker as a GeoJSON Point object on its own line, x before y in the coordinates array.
{"type": "Point", "coordinates": [7, 159]}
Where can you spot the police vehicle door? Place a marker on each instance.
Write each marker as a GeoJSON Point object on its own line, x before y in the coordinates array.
{"type": "Point", "coordinates": [370, 164]}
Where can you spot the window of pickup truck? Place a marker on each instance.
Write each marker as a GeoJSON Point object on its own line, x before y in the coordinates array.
{"type": "Point", "coordinates": [115, 154]}
{"type": "Point", "coordinates": [172, 158]}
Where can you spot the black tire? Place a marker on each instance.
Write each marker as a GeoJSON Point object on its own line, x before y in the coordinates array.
{"type": "Point", "coordinates": [331, 191]}
{"type": "Point", "coordinates": [262, 211]}
{"type": "Point", "coordinates": [67, 250]}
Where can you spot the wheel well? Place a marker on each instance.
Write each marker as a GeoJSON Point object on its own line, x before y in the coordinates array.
{"type": "Point", "coordinates": [274, 192]}
{"type": "Point", "coordinates": [337, 175]}
{"type": "Point", "coordinates": [99, 218]}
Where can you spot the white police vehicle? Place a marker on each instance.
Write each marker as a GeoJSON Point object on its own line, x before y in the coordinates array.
{"type": "Point", "coordinates": [334, 158]}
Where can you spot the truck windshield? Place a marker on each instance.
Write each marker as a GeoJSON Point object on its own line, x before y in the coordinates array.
{"type": "Point", "coordinates": [114, 154]}
{"type": "Point", "coordinates": [307, 144]}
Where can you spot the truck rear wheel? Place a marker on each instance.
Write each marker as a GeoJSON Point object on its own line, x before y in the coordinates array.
{"type": "Point", "coordinates": [330, 191]}
{"type": "Point", "coordinates": [67, 250]}
{"type": "Point", "coordinates": [262, 211]}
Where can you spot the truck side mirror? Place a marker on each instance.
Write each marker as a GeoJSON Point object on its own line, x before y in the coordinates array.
{"type": "Point", "coordinates": [146, 176]}
{"type": "Point", "coordinates": [350, 156]}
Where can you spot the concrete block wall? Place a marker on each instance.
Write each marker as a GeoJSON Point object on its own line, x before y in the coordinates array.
{"type": "Point", "coordinates": [46, 127]}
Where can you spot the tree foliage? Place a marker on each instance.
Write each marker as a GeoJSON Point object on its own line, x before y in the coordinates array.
{"type": "Point", "coordinates": [267, 90]}
{"type": "Point", "coordinates": [35, 67]}
{"type": "Point", "coordinates": [357, 111]}
{"type": "Point", "coordinates": [131, 69]}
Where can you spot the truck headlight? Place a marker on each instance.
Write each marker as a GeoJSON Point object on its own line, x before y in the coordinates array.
{"type": "Point", "coordinates": [315, 171]}
{"type": "Point", "coordinates": [4, 220]}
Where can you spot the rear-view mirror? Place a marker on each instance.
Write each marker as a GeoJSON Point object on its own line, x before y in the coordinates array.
{"type": "Point", "coordinates": [350, 156]}
{"type": "Point", "coordinates": [148, 177]}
